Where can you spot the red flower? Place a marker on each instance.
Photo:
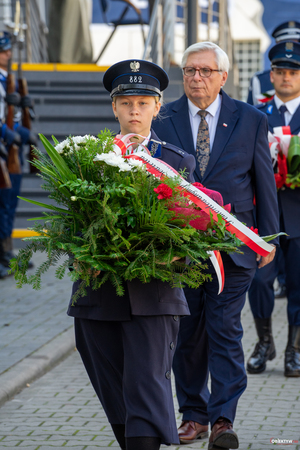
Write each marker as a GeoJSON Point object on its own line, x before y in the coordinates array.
{"type": "Point", "coordinates": [214, 195]}
{"type": "Point", "coordinates": [255, 230]}
{"type": "Point", "coordinates": [280, 177]}
{"type": "Point", "coordinates": [198, 185]}
{"type": "Point", "coordinates": [164, 191]}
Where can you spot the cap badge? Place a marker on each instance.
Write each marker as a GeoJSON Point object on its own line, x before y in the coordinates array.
{"type": "Point", "coordinates": [291, 24]}
{"type": "Point", "coordinates": [289, 46]}
{"type": "Point", "coordinates": [134, 66]}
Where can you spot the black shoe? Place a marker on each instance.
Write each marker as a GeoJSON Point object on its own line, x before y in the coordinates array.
{"type": "Point", "coordinates": [280, 291]}
{"type": "Point", "coordinates": [292, 353]}
{"type": "Point", "coordinates": [265, 348]}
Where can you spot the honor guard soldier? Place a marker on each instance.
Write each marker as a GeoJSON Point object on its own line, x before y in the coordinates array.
{"type": "Point", "coordinates": [127, 343]}
{"type": "Point", "coordinates": [14, 136]}
{"type": "Point", "coordinates": [261, 89]}
{"type": "Point", "coordinates": [283, 109]}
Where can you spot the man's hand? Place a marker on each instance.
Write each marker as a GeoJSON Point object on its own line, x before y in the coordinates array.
{"type": "Point", "coordinates": [176, 258]}
{"type": "Point", "coordinates": [92, 272]}
{"type": "Point", "coordinates": [13, 99]}
{"type": "Point", "coordinates": [264, 260]}
{"type": "Point", "coordinates": [11, 137]}
{"type": "Point", "coordinates": [26, 102]}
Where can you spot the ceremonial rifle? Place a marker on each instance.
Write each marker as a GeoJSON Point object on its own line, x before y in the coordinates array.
{"type": "Point", "coordinates": [5, 182]}
{"type": "Point", "coordinates": [13, 160]}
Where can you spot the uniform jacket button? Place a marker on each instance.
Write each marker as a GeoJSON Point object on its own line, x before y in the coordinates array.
{"type": "Point", "coordinates": [176, 318]}
{"type": "Point", "coordinates": [172, 345]}
{"type": "Point", "coordinates": [168, 375]}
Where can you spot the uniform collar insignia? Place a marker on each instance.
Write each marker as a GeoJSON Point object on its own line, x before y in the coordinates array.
{"type": "Point", "coordinates": [154, 148]}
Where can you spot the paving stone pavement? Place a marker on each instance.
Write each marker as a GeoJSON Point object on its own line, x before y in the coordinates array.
{"type": "Point", "coordinates": [60, 410]}
{"type": "Point", "coordinates": [35, 331]}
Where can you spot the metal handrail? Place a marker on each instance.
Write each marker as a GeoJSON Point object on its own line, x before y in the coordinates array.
{"type": "Point", "coordinates": [148, 51]}
{"type": "Point", "coordinates": [36, 47]}
{"type": "Point", "coordinates": [159, 46]}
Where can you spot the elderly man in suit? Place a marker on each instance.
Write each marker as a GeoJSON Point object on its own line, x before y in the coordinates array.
{"type": "Point", "coordinates": [284, 109]}
{"type": "Point", "coordinates": [229, 141]}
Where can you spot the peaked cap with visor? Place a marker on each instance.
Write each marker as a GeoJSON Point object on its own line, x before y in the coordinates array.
{"type": "Point", "coordinates": [135, 77]}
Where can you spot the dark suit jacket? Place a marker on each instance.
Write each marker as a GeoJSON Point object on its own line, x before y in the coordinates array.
{"type": "Point", "coordinates": [154, 298]}
{"type": "Point", "coordinates": [288, 199]}
{"type": "Point", "coordinates": [239, 166]}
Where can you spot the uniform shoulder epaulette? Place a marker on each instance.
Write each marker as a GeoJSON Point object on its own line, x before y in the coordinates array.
{"type": "Point", "coordinates": [155, 147]}
{"type": "Point", "coordinates": [174, 148]}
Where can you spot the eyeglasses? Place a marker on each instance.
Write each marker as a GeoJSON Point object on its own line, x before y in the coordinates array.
{"type": "Point", "coordinates": [204, 72]}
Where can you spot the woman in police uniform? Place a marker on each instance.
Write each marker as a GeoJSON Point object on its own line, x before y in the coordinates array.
{"type": "Point", "coordinates": [127, 343]}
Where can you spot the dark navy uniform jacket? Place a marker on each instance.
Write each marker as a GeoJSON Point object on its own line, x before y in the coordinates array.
{"type": "Point", "coordinates": [288, 199]}
{"type": "Point", "coordinates": [154, 298]}
{"type": "Point", "coordinates": [264, 85]}
{"type": "Point", "coordinates": [239, 165]}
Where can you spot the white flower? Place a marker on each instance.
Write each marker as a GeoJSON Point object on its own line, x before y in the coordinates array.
{"type": "Point", "coordinates": [73, 142]}
{"type": "Point", "coordinates": [103, 156]}
{"type": "Point", "coordinates": [63, 146]}
{"type": "Point", "coordinates": [135, 162]}
{"type": "Point", "coordinates": [113, 160]}
{"type": "Point", "coordinates": [73, 199]}
{"type": "Point", "coordinates": [117, 161]}
{"type": "Point", "coordinates": [124, 168]}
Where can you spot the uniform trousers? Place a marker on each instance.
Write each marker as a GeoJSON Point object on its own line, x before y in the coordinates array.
{"type": "Point", "coordinates": [261, 292]}
{"type": "Point", "coordinates": [210, 340]}
{"type": "Point", "coordinates": [129, 365]}
{"type": "Point", "coordinates": [8, 205]}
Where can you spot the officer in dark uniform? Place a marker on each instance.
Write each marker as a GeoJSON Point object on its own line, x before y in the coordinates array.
{"type": "Point", "coordinates": [262, 87]}
{"type": "Point", "coordinates": [284, 109]}
{"type": "Point", "coordinates": [8, 137]}
{"type": "Point", "coordinates": [20, 136]}
{"type": "Point", "coordinates": [260, 84]}
{"type": "Point", "coordinates": [127, 343]}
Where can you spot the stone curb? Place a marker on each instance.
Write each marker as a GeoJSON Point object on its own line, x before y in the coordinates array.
{"type": "Point", "coordinates": [36, 364]}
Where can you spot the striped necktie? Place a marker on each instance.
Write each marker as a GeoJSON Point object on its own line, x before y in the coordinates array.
{"type": "Point", "coordinates": [202, 147]}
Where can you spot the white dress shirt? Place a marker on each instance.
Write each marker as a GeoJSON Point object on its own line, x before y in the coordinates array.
{"type": "Point", "coordinates": [291, 105]}
{"type": "Point", "coordinates": [2, 96]}
{"type": "Point", "coordinates": [211, 118]}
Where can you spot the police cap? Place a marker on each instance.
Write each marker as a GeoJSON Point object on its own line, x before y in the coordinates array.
{"type": "Point", "coordinates": [5, 42]}
{"type": "Point", "coordinates": [135, 77]}
{"type": "Point", "coordinates": [287, 31]}
{"type": "Point", "coordinates": [285, 55]}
